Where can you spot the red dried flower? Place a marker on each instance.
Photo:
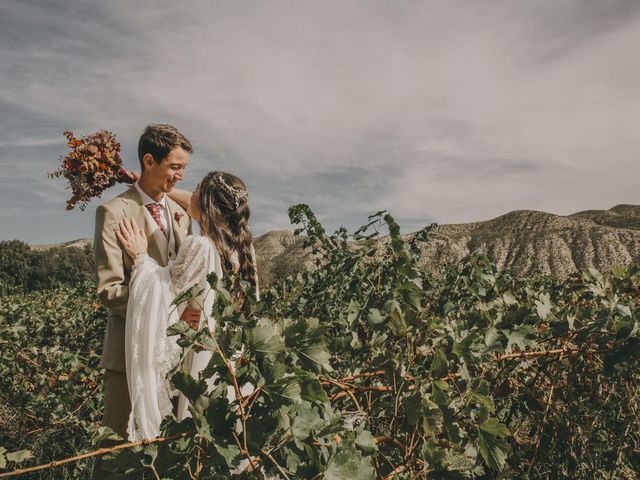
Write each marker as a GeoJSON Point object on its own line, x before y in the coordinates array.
{"type": "Point", "coordinates": [93, 165]}
{"type": "Point", "coordinates": [178, 216]}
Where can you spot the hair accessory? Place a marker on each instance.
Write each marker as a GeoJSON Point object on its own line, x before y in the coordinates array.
{"type": "Point", "coordinates": [234, 194]}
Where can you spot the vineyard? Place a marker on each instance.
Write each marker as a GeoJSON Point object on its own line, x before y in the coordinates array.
{"type": "Point", "coordinates": [366, 367]}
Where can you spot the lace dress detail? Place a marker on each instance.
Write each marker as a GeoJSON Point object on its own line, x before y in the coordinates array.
{"type": "Point", "coordinates": [150, 354]}
{"type": "Point", "coordinates": [189, 269]}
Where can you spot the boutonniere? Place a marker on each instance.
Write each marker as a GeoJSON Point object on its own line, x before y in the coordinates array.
{"type": "Point", "coordinates": [178, 216]}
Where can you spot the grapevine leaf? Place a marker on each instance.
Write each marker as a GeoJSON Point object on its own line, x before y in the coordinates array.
{"type": "Point", "coordinates": [366, 442]}
{"type": "Point", "coordinates": [229, 451]}
{"type": "Point", "coordinates": [493, 448]}
{"type": "Point", "coordinates": [266, 339]}
{"type": "Point", "coordinates": [306, 420]}
{"type": "Point", "coordinates": [349, 465]}
{"type": "Point", "coordinates": [312, 390]}
{"type": "Point", "coordinates": [375, 317]}
{"type": "Point", "coordinates": [188, 386]}
{"type": "Point", "coordinates": [543, 306]}
{"type": "Point", "coordinates": [440, 365]}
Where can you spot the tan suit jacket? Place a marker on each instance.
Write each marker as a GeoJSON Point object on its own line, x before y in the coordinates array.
{"type": "Point", "coordinates": [113, 265]}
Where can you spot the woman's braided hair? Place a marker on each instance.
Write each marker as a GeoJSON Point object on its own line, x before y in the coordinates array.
{"type": "Point", "coordinates": [225, 219]}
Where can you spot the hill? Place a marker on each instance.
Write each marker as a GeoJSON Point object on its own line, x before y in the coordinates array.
{"type": "Point", "coordinates": [524, 241]}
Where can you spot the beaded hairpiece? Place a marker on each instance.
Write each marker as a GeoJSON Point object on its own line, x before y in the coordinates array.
{"type": "Point", "coordinates": [234, 194]}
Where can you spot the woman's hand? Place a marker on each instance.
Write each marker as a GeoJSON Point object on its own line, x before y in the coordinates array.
{"type": "Point", "coordinates": [192, 317]}
{"type": "Point", "coordinates": [132, 238]}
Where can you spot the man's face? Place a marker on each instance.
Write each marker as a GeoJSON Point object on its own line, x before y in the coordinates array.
{"type": "Point", "coordinates": [167, 173]}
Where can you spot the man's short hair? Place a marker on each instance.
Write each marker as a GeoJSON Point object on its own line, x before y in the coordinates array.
{"type": "Point", "coordinates": [158, 140]}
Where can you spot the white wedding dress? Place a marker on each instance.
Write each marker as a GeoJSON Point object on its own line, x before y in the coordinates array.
{"type": "Point", "coordinates": [150, 354]}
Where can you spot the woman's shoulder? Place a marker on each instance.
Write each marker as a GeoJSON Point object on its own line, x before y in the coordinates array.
{"type": "Point", "coordinates": [196, 242]}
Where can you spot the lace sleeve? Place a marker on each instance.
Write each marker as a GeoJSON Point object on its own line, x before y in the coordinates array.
{"type": "Point", "coordinates": [190, 266]}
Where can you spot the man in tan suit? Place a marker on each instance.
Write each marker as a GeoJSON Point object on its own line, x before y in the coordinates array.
{"type": "Point", "coordinates": [164, 154]}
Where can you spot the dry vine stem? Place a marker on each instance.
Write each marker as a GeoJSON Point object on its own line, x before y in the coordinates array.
{"type": "Point", "coordinates": [347, 390]}
{"type": "Point", "coordinates": [24, 357]}
{"type": "Point", "coordinates": [58, 422]}
{"type": "Point", "coordinates": [94, 453]}
{"type": "Point", "coordinates": [560, 351]}
{"type": "Point", "coordinates": [243, 448]}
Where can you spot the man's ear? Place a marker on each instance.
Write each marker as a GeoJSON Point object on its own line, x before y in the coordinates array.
{"type": "Point", "coordinates": [148, 161]}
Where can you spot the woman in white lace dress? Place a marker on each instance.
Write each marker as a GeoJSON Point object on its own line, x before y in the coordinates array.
{"type": "Point", "coordinates": [219, 205]}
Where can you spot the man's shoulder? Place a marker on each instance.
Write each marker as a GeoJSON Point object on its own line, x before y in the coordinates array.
{"type": "Point", "coordinates": [120, 200]}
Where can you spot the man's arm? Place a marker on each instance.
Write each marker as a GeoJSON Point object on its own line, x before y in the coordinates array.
{"type": "Point", "coordinates": [110, 276]}
{"type": "Point", "coordinates": [181, 197]}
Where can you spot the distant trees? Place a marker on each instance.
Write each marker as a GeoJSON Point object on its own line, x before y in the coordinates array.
{"type": "Point", "coordinates": [22, 267]}
{"type": "Point", "coordinates": [14, 262]}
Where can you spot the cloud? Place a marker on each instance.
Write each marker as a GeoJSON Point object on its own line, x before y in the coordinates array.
{"type": "Point", "coordinates": [448, 111]}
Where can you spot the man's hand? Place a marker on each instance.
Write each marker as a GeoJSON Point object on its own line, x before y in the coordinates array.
{"type": "Point", "coordinates": [192, 317]}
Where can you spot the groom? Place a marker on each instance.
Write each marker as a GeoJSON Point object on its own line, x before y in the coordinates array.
{"type": "Point", "coordinates": [164, 154]}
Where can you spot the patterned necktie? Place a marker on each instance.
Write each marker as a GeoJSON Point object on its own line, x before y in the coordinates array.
{"type": "Point", "coordinates": [155, 210]}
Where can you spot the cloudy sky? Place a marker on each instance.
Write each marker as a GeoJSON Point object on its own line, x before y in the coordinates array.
{"type": "Point", "coordinates": [448, 111]}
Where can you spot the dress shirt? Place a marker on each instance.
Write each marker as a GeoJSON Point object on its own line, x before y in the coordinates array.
{"type": "Point", "coordinates": [164, 217]}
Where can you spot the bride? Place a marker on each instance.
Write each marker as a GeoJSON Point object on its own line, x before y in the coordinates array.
{"type": "Point", "coordinates": [219, 205]}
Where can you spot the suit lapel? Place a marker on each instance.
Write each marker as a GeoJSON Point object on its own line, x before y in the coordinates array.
{"type": "Point", "coordinates": [157, 248]}
{"type": "Point", "coordinates": [179, 225]}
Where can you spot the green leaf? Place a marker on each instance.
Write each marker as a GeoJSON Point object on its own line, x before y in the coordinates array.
{"type": "Point", "coordinates": [104, 434]}
{"type": "Point", "coordinates": [229, 451]}
{"type": "Point", "coordinates": [543, 306]}
{"type": "Point", "coordinates": [439, 393]}
{"type": "Point", "coordinates": [353, 313]}
{"type": "Point", "coordinates": [287, 387]}
{"type": "Point", "coordinates": [434, 455]}
{"type": "Point", "coordinates": [312, 390]}
{"type": "Point", "coordinates": [366, 442]}
{"type": "Point", "coordinates": [316, 357]}
{"type": "Point", "coordinates": [306, 420]}
{"type": "Point", "coordinates": [492, 338]}
{"type": "Point", "coordinates": [494, 450]}
{"type": "Point", "coordinates": [462, 348]}
{"type": "Point", "coordinates": [178, 328]}
{"type": "Point", "coordinates": [374, 317]}
{"type": "Point", "coordinates": [413, 407]}
{"type": "Point", "coordinates": [481, 396]}
{"type": "Point", "coordinates": [440, 365]}
{"type": "Point", "coordinates": [625, 327]}
{"type": "Point", "coordinates": [519, 336]}
{"type": "Point", "coordinates": [19, 456]}
{"type": "Point", "coordinates": [509, 298]}
{"type": "Point", "coordinates": [266, 339]}
{"type": "Point", "coordinates": [398, 323]}
{"type": "Point", "coordinates": [349, 465]}
{"type": "Point", "coordinates": [493, 427]}
{"type": "Point", "coordinates": [431, 415]}
{"type": "Point", "coordinates": [293, 459]}
{"type": "Point", "coordinates": [411, 294]}
{"type": "Point", "coordinates": [188, 386]}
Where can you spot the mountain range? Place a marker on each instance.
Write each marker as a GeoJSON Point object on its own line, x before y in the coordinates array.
{"type": "Point", "coordinates": [523, 241]}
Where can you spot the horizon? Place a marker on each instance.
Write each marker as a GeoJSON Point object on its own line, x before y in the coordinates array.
{"type": "Point", "coordinates": [385, 233]}
{"type": "Point", "coordinates": [437, 112]}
